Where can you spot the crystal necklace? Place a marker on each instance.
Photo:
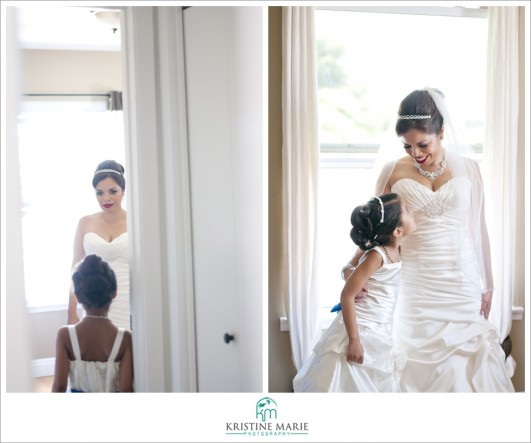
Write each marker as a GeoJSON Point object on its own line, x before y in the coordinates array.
{"type": "Point", "coordinates": [432, 175]}
{"type": "Point", "coordinates": [387, 254]}
{"type": "Point", "coordinates": [103, 317]}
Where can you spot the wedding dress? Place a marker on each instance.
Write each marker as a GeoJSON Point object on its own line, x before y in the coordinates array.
{"type": "Point", "coordinates": [327, 369]}
{"type": "Point", "coordinates": [115, 253]}
{"type": "Point", "coordinates": [450, 346]}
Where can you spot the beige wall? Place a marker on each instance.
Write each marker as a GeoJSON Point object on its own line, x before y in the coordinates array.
{"type": "Point", "coordinates": [64, 72]}
{"type": "Point", "coordinates": [67, 72]}
{"type": "Point", "coordinates": [281, 369]}
{"type": "Point", "coordinates": [518, 352]}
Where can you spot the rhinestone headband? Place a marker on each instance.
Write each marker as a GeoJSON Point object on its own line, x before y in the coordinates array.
{"type": "Point", "coordinates": [413, 117]}
{"type": "Point", "coordinates": [382, 206]}
{"type": "Point", "coordinates": [107, 170]}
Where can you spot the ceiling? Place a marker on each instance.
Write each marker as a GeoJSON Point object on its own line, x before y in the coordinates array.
{"type": "Point", "coordinates": [68, 27]}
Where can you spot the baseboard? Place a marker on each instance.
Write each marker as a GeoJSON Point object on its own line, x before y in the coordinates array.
{"type": "Point", "coordinates": [42, 367]}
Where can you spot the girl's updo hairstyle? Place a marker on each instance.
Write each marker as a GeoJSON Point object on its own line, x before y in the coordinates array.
{"type": "Point", "coordinates": [108, 167]}
{"type": "Point", "coordinates": [94, 282]}
{"type": "Point", "coordinates": [367, 231]}
{"type": "Point", "coordinates": [419, 102]}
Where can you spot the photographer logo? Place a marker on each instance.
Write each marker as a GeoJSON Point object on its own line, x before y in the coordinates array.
{"type": "Point", "coordinates": [266, 423]}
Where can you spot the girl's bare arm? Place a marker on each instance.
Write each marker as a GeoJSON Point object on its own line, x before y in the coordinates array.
{"type": "Point", "coordinates": [126, 365]}
{"type": "Point", "coordinates": [60, 378]}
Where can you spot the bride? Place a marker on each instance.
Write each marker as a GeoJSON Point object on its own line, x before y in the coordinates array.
{"type": "Point", "coordinates": [441, 318]}
{"type": "Point", "coordinates": [105, 234]}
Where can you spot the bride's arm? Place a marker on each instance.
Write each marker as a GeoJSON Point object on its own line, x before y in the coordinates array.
{"type": "Point", "coordinates": [484, 241]}
{"type": "Point", "coordinates": [486, 298]}
{"type": "Point", "coordinates": [383, 184]}
{"type": "Point", "coordinates": [79, 253]}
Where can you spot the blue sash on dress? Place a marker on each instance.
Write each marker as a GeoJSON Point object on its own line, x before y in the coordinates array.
{"type": "Point", "coordinates": [336, 308]}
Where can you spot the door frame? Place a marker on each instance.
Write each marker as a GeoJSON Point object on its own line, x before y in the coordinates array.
{"type": "Point", "coordinates": [159, 217]}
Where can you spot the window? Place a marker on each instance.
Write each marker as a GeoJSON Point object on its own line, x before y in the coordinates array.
{"type": "Point", "coordinates": [368, 60]}
{"type": "Point", "coordinates": [60, 145]}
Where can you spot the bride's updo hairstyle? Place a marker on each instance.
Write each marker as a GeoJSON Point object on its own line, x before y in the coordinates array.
{"type": "Point", "coordinates": [94, 282]}
{"type": "Point", "coordinates": [418, 111]}
{"type": "Point", "coordinates": [112, 169]}
{"type": "Point", "coordinates": [374, 222]}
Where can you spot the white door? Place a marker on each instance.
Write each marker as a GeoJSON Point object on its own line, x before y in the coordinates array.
{"type": "Point", "coordinates": [224, 88]}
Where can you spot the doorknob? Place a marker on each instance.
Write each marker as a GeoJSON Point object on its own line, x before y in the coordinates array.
{"type": "Point", "coordinates": [228, 337]}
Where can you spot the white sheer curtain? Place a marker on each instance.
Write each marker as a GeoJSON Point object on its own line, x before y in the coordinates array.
{"type": "Point", "coordinates": [500, 158]}
{"type": "Point", "coordinates": [300, 164]}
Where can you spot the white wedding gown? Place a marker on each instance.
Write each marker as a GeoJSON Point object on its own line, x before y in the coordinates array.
{"type": "Point", "coordinates": [327, 369]}
{"type": "Point", "coordinates": [450, 346]}
{"type": "Point", "coordinates": [116, 254]}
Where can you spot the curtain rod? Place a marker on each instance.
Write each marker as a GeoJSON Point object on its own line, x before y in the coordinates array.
{"type": "Point", "coordinates": [68, 95]}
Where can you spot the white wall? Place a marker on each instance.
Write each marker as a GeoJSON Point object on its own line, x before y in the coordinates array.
{"type": "Point", "coordinates": [15, 334]}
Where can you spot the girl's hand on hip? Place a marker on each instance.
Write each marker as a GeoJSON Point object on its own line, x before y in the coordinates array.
{"type": "Point", "coordinates": [486, 301]}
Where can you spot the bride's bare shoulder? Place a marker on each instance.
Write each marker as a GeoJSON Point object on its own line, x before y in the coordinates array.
{"type": "Point", "coordinates": [404, 161]}
{"type": "Point", "coordinates": [401, 164]}
{"type": "Point", "coordinates": [87, 221]}
{"type": "Point", "coordinates": [402, 169]}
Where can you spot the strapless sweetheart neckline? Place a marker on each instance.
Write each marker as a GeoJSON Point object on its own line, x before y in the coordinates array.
{"type": "Point", "coordinates": [425, 187]}
{"type": "Point", "coordinates": [106, 241]}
